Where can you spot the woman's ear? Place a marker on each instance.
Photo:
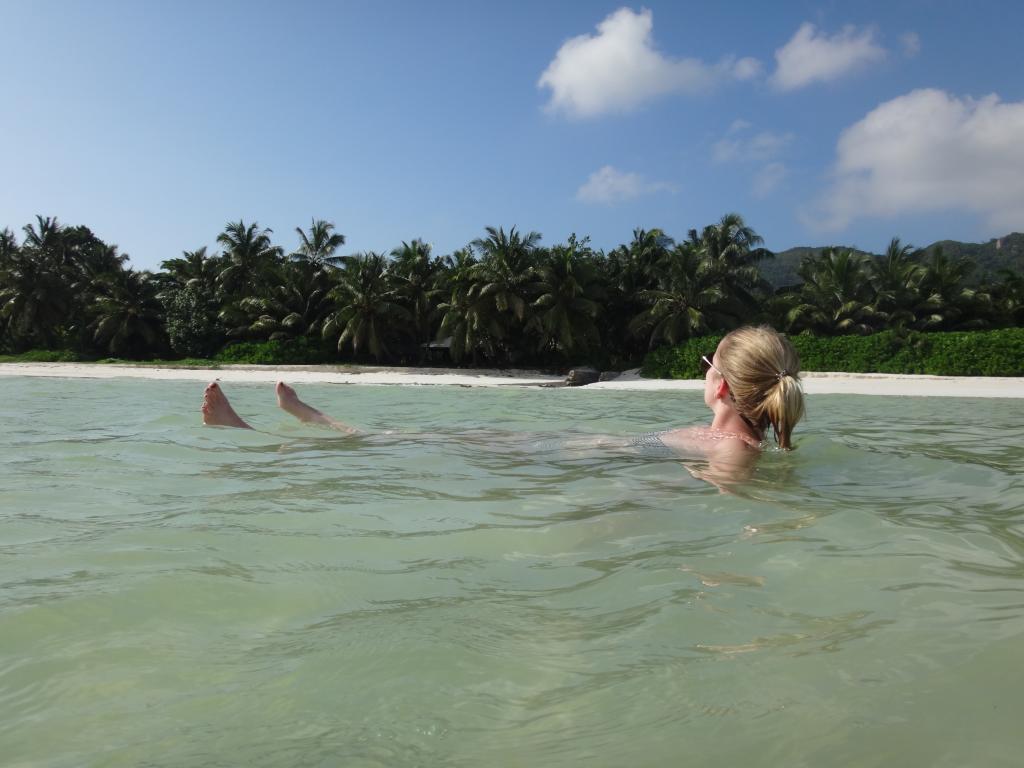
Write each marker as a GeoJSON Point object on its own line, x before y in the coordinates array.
{"type": "Point", "coordinates": [723, 390]}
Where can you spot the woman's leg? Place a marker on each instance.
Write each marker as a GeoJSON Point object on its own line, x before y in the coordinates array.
{"type": "Point", "coordinates": [289, 401]}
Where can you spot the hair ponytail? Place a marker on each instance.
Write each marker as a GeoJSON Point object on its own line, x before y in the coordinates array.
{"type": "Point", "coordinates": [784, 407]}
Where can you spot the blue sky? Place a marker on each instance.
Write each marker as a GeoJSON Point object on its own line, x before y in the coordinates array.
{"type": "Point", "coordinates": [820, 122]}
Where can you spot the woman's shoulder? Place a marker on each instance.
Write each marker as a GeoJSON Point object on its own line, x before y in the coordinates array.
{"type": "Point", "coordinates": [706, 440]}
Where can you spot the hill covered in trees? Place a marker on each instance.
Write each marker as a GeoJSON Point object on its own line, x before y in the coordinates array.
{"type": "Point", "coordinates": [989, 258]}
{"type": "Point", "coordinates": [504, 299]}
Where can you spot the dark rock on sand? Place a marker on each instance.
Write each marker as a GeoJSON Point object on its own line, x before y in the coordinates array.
{"type": "Point", "coordinates": [579, 376]}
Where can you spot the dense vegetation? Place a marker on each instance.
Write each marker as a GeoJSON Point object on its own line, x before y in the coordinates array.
{"type": "Point", "coordinates": [502, 300]}
{"type": "Point", "coordinates": [951, 353]}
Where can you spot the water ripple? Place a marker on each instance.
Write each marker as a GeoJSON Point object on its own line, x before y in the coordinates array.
{"type": "Point", "coordinates": [456, 594]}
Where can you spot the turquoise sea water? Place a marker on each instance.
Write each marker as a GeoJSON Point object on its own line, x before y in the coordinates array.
{"type": "Point", "coordinates": [469, 592]}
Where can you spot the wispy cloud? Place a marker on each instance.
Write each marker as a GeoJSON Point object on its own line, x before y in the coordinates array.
{"type": "Point", "coordinates": [740, 146]}
{"type": "Point", "coordinates": [911, 43]}
{"type": "Point", "coordinates": [930, 151]}
{"type": "Point", "coordinates": [813, 57]}
{"type": "Point", "coordinates": [608, 186]}
{"type": "Point", "coordinates": [768, 179]}
{"type": "Point", "coordinates": [761, 146]}
{"type": "Point", "coordinates": [619, 68]}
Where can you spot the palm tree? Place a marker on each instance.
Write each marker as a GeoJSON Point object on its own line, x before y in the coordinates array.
{"type": "Point", "coordinates": [733, 252]}
{"type": "Point", "coordinates": [836, 296]}
{"type": "Point", "coordinates": [46, 238]}
{"type": "Point", "coordinates": [416, 276]}
{"type": "Point", "coordinates": [688, 300]}
{"type": "Point", "coordinates": [188, 291]}
{"type": "Point", "coordinates": [8, 245]}
{"type": "Point", "coordinates": [1008, 294]}
{"type": "Point", "coordinates": [503, 286]}
{"type": "Point", "coordinates": [34, 301]}
{"type": "Point", "coordinates": [896, 278]}
{"type": "Point", "coordinates": [568, 302]}
{"type": "Point", "coordinates": [634, 268]}
{"type": "Point", "coordinates": [37, 302]}
{"type": "Point", "coordinates": [194, 268]}
{"type": "Point", "coordinates": [730, 241]}
{"type": "Point", "coordinates": [638, 262]}
{"type": "Point", "coordinates": [51, 282]}
{"type": "Point", "coordinates": [251, 259]}
{"type": "Point", "coordinates": [462, 324]}
{"type": "Point", "coordinates": [318, 246]}
{"type": "Point", "coordinates": [127, 315]}
{"type": "Point", "coordinates": [629, 271]}
{"type": "Point", "coordinates": [367, 313]}
{"type": "Point", "coordinates": [9, 251]}
{"type": "Point", "coordinates": [295, 307]}
{"type": "Point", "coordinates": [506, 268]}
{"type": "Point", "coordinates": [946, 302]}
{"type": "Point", "coordinates": [94, 257]}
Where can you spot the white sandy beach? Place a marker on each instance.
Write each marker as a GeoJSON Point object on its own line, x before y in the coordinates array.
{"type": "Point", "coordinates": [814, 383]}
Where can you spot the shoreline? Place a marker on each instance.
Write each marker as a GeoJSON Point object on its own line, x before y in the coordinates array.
{"type": "Point", "coordinates": [815, 383]}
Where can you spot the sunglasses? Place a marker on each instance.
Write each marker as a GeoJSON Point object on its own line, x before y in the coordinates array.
{"type": "Point", "coordinates": [706, 364]}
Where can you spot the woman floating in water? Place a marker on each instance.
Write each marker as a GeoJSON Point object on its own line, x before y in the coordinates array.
{"type": "Point", "coordinates": [751, 384]}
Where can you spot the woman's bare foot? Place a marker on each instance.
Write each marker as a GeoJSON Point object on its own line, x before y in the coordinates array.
{"type": "Point", "coordinates": [217, 411]}
{"type": "Point", "coordinates": [289, 401]}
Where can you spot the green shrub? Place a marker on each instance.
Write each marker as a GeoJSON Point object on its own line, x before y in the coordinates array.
{"type": "Point", "coordinates": [300, 351]}
{"type": "Point", "coordinates": [955, 353]}
{"type": "Point", "coordinates": [989, 353]}
{"type": "Point", "coordinates": [682, 362]}
{"type": "Point", "coordinates": [192, 327]}
{"type": "Point", "coordinates": [44, 356]}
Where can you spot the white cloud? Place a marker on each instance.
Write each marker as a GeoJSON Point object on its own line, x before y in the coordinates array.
{"type": "Point", "coordinates": [911, 43]}
{"type": "Point", "coordinates": [747, 68]}
{"type": "Point", "coordinates": [608, 185]}
{"type": "Point", "coordinates": [738, 148]}
{"type": "Point", "coordinates": [768, 179]}
{"type": "Point", "coordinates": [811, 57]}
{"type": "Point", "coordinates": [619, 69]}
{"type": "Point", "coordinates": [930, 151]}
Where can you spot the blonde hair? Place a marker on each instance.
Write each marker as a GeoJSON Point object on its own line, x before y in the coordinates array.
{"type": "Point", "coordinates": [763, 373]}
